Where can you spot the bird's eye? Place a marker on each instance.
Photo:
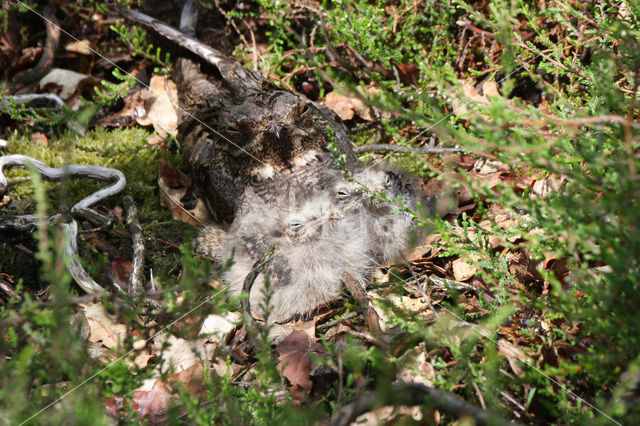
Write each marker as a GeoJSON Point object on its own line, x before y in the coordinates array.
{"type": "Point", "coordinates": [255, 179]}
{"type": "Point", "coordinates": [342, 193]}
{"type": "Point", "coordinates": [233, 128]}
{"type": "Point", "coordinates": [388, 180]}
{"type": "Point", "coordinates": [296, 225]}
{"type": "Point", "coordinates": [305, 109]}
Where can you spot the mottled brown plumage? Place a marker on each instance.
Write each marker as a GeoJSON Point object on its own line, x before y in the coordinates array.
{"type": "Point", "coordinates": [260, 157]}
{"type": "Point", "coordinates": [243, 131]}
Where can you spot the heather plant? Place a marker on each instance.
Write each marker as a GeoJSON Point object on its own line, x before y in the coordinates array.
{"type": "Point", "coordinates": [556, 343]}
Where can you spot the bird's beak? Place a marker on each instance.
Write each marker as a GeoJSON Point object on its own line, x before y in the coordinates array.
{"type": "Point", "coordinates": [275, 128]}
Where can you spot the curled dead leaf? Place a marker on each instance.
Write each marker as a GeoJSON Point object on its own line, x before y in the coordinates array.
{"type": "Point", "coordinates": [347, 107]}
{"type": "Point", "coordinates": [465, 267]}
{"type": "Point", "coordinates": [83, 47]}
{"type": "Point", "coordinates": [295, 362]}
{"type": "Point", "coordinates": [158, 110]}
{"type": "Point", "coordinates": [66, 81]}
{"type": "Point", "coordinates": [103, 329]}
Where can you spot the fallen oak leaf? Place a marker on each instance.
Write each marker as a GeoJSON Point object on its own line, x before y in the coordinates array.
{"type": "Point", "coordinates": [171, 194]}
{"type": "Point", "coordinates": [295, 362]}
{"type": "Point", "coordinates": [347, 107]}
{"type": "Point", "coordinates": [159, 110]}
{"type": "Point", "coordinates": [103, 329]}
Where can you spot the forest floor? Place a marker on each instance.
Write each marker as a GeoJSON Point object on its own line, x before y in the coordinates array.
{"type": "Point", "coordinates": [522, 303]}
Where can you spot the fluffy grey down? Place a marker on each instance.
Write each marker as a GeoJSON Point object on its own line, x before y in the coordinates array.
{"type": "Point", "coordinates": [346, 228]}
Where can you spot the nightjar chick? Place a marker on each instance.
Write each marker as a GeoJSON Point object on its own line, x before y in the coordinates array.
{"type": "Point", "coordinates": [316, 244]}
{"type": "Point", "coordinates": [377, 197]}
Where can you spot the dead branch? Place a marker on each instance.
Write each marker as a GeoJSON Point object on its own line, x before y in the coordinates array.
{"type": "Point", "coordinates": [360, 295]}
{"type": "Point", "coordinates": [74, 266]}
{"type": "Point", "coordinates": [249, 322]}
{"type": "Point", "coordinates": [209, 54]}
{"type": "Point", "coordinates": [81, 209]}
{"type": "Point", "coordinates": [401, 148]}
{"type": "Point", "coordinates": [135, 286]}
{"type": "Point", "coordinates": [27, 222]}
{"type": "Point", "coordinates": [411, 394]}
{"type": "Point", "coordinates": [37, 99]}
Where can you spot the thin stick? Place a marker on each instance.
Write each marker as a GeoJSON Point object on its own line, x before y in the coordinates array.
{"type": "Point", "coordinates": [135, 285]}
{"type": "Point", "coordinates": [249, 322]}
{"type": "Point", "coordinates": [414, 394]}
{"type": "Point", "coordinates": [74, 266]}
{"type": "Point", "coordinates": [400, 148]}
{"type": "Point", "coordinates": [358, 293]}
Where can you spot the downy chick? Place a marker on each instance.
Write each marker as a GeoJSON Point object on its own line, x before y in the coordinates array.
{"type": "Point", "coordinates": [316, 244]}
{"type": "Point", "coordinates": [378, 196]}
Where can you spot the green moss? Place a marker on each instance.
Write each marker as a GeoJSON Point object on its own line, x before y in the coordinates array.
{"type": "Point", "coordinates": [126, 150]}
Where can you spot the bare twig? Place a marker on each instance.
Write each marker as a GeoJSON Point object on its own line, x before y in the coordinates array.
{"type": "Point", "coordinates": [74, 267]}
{"type": "Point", "coordinates": [400, 148]}
{"type": "Point", "coordinates": [249, 322]}
{"type": "Point", "coordinates": [27, 222]}
{"type": "Point", "coordinates": [330, 324]}
{"type": "Point", "coordinates": [40, 98]}
{"type": "Point", "coordinates": [135, 285]}
{"type": "Point", "coordinates": [360, 295]}
{"type": "Point", "coordinates": [414, 394]}
{"type": "Point", "coordinates": [479, 395]}
{"type": "Point", "coordinates": [81, 209]}
{"type": "Point", "coordinates": [451, 284]}
{"type": "Point", "coordinates": [7, 289]}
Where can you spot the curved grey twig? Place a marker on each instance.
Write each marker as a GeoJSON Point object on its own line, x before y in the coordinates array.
{"type": "Point", "coordinates": [253, 331]}
{"type": "Point", "coordinates": [81, 208]}
{"type": "Point", "coordinates": [6, 101]}
{"type": "Point", "coordinates": [74, 266]}
{"type": "Point", "coordinates": [135, 284]}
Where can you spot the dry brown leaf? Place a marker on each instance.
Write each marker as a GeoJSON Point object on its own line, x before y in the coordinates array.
{"type": "Point", "coordinates": [521, 265]}
{"type": "Point", "coordinates": [389, 415]}
{"type": "Point", "coordinates": [415, 367]}
{"type": "Point", "coordinates": [83, 47]}
{"type": "Point", "coordinates": [347, 107]}
{"type": "Point", "coordinates": [465, 268]}
{"type": "Point", "coordinates": [426, 251]}
{"type": "Point", "coordinates": [170, 199]}
{"type": "Point", "coordinates": [159, 110]}
{"type": "Point", "coordinates": [295, 362]}
{"type": "Point", "coordinates": [514, 355]}
{"type": "Point", "coordinates": [417, 305]}
{"type": "Point", "coordinates": [279, 331]}
{"type": "Point", "coordinates": [66, 81]}
{"type": "Point", "coordinates": [552, 184]}
{"type": "Point", "coordinates": [120, 271]}
{"type": "Point", "coordinates": [102, 327]}
{"type": "Point", "coordinates": [152, 398]}
{"type": "Point", "coordinates": [179, 353]}
{"type": "Point", "coordinates": [218, 328]}
{"type": "Point", "coordinates": [460, 106]}
{"type": "Point", "coordinates": [485, 167]}
{"type": "Point", "coordinates": [40, 138]}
